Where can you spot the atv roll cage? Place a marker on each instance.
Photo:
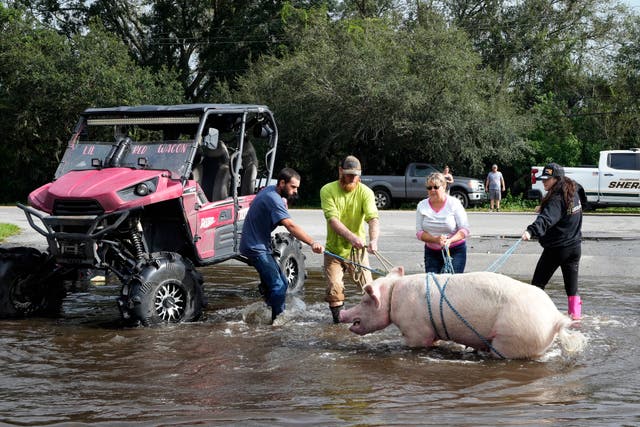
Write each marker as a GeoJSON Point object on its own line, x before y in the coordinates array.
{"type": "Point", "coordinates": [178, 139]}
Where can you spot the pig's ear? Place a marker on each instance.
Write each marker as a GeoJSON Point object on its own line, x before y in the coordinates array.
{"type": "Point", "coordinates": [399, 270]}
{"type": "Point", "coordinates": [372, 293]}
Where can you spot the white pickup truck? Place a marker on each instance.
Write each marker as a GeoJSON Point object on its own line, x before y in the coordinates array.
{"type": "Point", "coordinates": [615, 181]}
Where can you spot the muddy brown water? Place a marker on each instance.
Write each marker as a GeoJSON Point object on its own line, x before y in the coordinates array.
{"type": "Point", "coordinates": [233, 369]}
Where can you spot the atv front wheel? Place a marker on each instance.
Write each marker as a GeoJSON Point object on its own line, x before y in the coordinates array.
{"type": "Point", "coordinates": [30, 284]}
{"type": "Point", "coordinates": [167, 289]}
{"type": "Point", "coordinates": [287, 251]}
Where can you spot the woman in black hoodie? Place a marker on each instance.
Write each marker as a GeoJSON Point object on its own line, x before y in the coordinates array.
{"type": "Point", "coordinates": [558, 229]}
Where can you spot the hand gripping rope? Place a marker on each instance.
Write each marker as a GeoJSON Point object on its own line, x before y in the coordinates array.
{"type": "Point", "coordinates": [448, 262]}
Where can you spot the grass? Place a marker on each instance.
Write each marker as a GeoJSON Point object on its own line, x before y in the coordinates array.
{"type": "Point", "coordinates": [510, 203]}
{"type": "Point", "coordinates": [8, 230]}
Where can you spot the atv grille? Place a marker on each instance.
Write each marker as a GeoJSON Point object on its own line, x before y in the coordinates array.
{"type": "Point", "coordinates": [77, 207]}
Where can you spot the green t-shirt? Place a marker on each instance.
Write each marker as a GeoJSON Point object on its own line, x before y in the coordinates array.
{"type": "Point", "coordinates": [353, 209]}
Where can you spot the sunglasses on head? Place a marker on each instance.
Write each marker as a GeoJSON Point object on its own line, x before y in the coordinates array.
{"type": "Point", "coordinates": [432, 187]}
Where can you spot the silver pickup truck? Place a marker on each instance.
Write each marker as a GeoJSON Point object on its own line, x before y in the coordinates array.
{"type": "Point", "coordinates": [390, 189]}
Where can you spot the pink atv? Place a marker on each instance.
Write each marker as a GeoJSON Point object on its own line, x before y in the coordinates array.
{"type": "Point", "coordinates": [148, 194]}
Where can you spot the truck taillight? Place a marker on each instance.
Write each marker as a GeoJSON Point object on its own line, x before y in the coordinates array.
{"type": "Point", "coordinates": [534, 172]}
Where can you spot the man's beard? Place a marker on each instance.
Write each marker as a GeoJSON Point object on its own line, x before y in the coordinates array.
{"type": "Point", "coordinates": [348, 186]}
{"type": "Point", "coordinates": [290, 198]}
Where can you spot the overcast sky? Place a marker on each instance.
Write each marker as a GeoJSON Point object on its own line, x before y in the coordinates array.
{"type": "Point", "coordinates": [635, 4]}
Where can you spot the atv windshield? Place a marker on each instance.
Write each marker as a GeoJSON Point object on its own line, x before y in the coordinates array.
{"type": "Point", "coordinates": [162, 143]}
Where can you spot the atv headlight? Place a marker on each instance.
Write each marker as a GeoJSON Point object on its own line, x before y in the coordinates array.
{"type": "Point", "coordinates": [142, 189]}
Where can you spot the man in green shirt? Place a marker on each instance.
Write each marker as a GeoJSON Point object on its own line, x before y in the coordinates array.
{"type": "Point", "coordinates": [347, 204]}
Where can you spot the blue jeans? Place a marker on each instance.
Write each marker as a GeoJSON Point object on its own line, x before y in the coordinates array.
{"type": "Point", "coordinates": [434, 262]}
{"type": "Point", "coordinates": [274, 282]}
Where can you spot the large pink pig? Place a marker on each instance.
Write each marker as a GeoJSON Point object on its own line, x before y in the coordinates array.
{"type": "Point", "coordinates": [482, 310]}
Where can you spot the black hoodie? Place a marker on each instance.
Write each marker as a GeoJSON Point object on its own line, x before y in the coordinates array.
{"type": "Point", "coordinates": [558, 225]}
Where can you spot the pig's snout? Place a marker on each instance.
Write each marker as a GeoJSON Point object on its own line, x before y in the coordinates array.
{"type": "Point", "coordinates": [349, 316]}
{"type": "Point", "coordinates": [344, 316]}
{"type": "Point", "coordinates": [352, 316]}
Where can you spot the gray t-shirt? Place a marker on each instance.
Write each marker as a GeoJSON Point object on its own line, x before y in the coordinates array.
{"type": "Point", "coordinates": [494, 180]}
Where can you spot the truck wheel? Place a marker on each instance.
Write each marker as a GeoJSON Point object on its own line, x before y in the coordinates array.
{"type": "Point", "coordinates": [167, 289]}
{"type": "Point", "coordinates": [287, 251]}
{"type": "Point", "coordinates": [30, 284]}
{"type": "Point", "coordinates": [383, 198]}
{"type": "Point", "coordinates": [462, 196]}
{"type": "Point", "coordinates": [586, 206]}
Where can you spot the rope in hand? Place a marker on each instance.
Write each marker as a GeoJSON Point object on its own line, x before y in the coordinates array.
{"type": "Point", "coordinates": [336, 256]}
{"type": "Point", "coordinates": [448, 261]}
{"type": "Point", "coordinates": [357, 271]}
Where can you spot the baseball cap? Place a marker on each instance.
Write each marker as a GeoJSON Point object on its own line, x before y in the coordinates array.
{"type": "Point", "coordinates": [351, 166]}
{"type": "Point", "coordinates": [552, 170]}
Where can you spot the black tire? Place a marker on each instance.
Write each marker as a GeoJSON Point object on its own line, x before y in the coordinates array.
{"type": "Point", "coordinates": [30, 284]}
{"type": "Point", "coordinates": [462, 196]}
{"type": "Point", "coordinates": [383, 198]}
{"type": "Point", "coordinates": [167, 289]}
{"type": "Point", "coordinates": [287, 251]}
{"type": "Point", "coordinates": [586, 206]}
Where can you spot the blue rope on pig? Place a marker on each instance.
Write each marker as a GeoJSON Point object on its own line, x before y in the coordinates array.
{"type": "Point", "coordinates": [444, 299]}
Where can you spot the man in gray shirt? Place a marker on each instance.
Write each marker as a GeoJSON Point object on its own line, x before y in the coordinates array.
{"type": "Point", "coordinates": [495, 185]}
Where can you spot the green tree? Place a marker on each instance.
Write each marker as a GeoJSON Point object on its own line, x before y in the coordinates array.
{"type": "Point", "coordinates": [46, 79]}
{"type": "Point", "coordinates": [552, 138]}
{"type": "Point", "coordinates": [555, 55]}
{"type": "Point", "coordinates": [207, 43]}
{"type": "Point", "coordinates": [625, 90]}
{"type": "Point", "coordinates": [386, 92]}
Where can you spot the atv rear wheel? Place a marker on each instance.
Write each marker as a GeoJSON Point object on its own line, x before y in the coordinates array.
{"type": "Point", "coordinates": [287, 251]}
{"type": "Point", "coordinates": [30, 284]}
{"type": "Point", "coordinates": [166, 289]}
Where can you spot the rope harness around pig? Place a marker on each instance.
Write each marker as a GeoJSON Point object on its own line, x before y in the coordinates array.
{"type": "Point", "coordinates": [444, 299]}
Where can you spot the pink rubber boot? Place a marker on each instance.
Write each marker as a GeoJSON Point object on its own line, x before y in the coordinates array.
{"type": "Point", "coordinates": [575, 307]}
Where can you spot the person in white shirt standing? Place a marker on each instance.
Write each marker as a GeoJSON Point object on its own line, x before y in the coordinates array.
{"type": "Point", "coordinates": [442, 223]}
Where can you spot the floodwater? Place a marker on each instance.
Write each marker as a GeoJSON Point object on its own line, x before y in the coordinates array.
{"type": "Point", "coordinates": [233, 369]}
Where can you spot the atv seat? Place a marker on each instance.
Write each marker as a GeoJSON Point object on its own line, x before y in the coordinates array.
{"type": "Point", "coordinates": [216, 174]}
{"type": "Point", "coordinates": [249, 170]}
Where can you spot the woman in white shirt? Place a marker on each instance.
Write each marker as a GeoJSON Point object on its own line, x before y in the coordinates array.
{"type": "Point", "coordinates": [441, 222]}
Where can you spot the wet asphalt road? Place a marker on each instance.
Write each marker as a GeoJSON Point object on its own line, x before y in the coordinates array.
{"type": "Point", "coordinates": [610, 247]}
